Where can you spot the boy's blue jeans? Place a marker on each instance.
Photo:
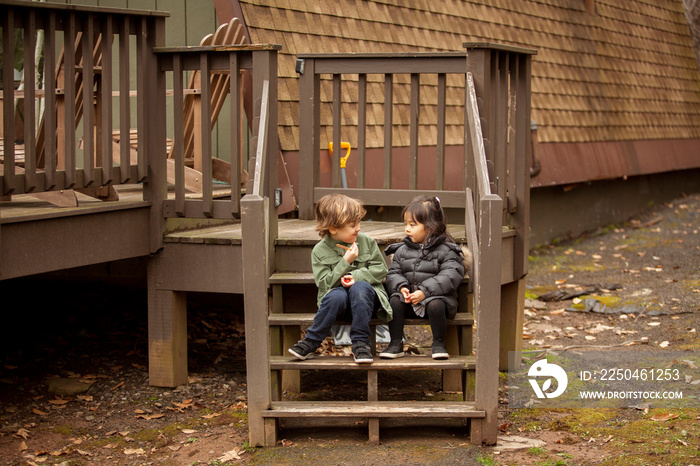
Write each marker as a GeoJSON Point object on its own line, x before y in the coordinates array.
{"type": "Point", "coordinates": [355, 304]}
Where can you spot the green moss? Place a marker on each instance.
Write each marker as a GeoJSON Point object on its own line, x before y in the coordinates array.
{"type": "Point", "coordinates": [63, 429]}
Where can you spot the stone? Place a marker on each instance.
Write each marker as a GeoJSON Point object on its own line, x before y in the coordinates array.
{"type": "Point", "coordinates": [67, 387]}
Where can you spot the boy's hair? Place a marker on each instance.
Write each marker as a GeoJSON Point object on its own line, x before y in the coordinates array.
{"type": "Point", "coordinates": [336, 211]}
{"type": "Point", "coordinates": [428, 211]}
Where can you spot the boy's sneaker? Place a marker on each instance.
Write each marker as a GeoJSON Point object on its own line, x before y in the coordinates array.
{"type": "Point", "coordinates": [362, 353]}
{"type": "Point", "coordinates": [303, 349]}
{"type": "Point", "coordinates": [393, 351]}
{"type": "Point", "coordinates": [439, 350]}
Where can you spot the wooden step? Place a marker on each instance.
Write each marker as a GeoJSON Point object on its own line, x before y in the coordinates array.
{"type": "Point", "coordinates": [296, 278]}
{"type": "Point", "coordinates": [376, 409]}
{"type": "Point", "coordinates": [318, 362]}
{"type": "Point", "coordinates": [462, 318]}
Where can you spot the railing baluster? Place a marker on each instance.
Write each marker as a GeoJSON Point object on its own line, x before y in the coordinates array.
{"type": "Point", "coordinates": [337, 118]}
{"type": "Point", "coordinates": [388, 124]}
{"type": "Point", "coordinates": [141, 77]}
{"type": "Point", "coordinates": [50, 102]}
{"type": "Point", "coordinates": [413, 136]}
{"type": "Point", "coordinates": [513, 130]}
{"type": "Point", "coordinates": [124, 103]}
{"type": "Point", "coordinates": [29, 102]}
{"type": "Point", "coordinates": [106, 107]}
{"type": "Point", "coordinates": [441, 109]}
{"type": "Point", "coordinates": [178, 136]}
{"type": "Point", "coordinates": [88, 104]}
{"type": "Point", "coordinates": [236, 136]}
{"type": "Point", "coordinates": [205, 67]}
{"type": "Point", "coordinates": [69, 164]}
{"type": "Point", "coordinates": [361, 129]}
{"type": "Point", "coordinates": [500, 149]}
{"type": "Point", "coordinates": [8, 95]}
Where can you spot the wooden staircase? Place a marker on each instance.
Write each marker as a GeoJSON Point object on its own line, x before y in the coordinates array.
{"type": "Point", "coordinates": [287, 323]}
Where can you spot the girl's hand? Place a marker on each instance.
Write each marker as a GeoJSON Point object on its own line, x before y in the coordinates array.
{"type": "Point", "coordinates": [351, 254]}
{"type": "Point", "coordinates": [347, 281]}
{"type": "Point", "coordinates": [406, 293]}
{"type": "Point", "coordinates": [416, 297]}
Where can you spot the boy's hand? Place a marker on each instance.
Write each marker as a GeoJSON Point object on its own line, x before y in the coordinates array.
{"type": "Point", "coordinates": [347, 281]}
{"type": "Point", "coordinates": [416, 297]}
{"type": "Point", "coordinates": [406, 293]}
{"type": "Point", "coordinates": [351, 254]}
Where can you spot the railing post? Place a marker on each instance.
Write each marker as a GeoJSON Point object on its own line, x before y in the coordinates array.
{"type": "Point", "coordinates": [154, 137]}
{"type": "Point", "coordinates": [265, 68]}
{"type": "Point", "coordinates": [255, 232]}
{"type": "Point", "coordinates": [309, 129]}
{"type": "Point", "coordinates": [487, 306]}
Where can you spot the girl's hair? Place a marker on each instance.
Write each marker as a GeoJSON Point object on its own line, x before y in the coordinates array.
{"type": "Point", "coordinates": [428, 211]}
{"type": "Point", "coordinates": [336, 211]}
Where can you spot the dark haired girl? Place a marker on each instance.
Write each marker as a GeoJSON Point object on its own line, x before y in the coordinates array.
{"type": "Point", "coordinates": [424, 276]}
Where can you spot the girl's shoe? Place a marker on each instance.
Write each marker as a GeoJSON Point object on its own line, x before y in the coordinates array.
{"type": "Point", "coordinates": [393, 351]}
{"type": "Point", "coordinates": [439, 350]}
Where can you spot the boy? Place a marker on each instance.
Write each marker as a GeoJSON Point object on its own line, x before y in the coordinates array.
{"type": "Point", "coordinates": [348, 270]}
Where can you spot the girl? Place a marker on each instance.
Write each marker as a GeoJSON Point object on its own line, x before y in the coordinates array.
{"type": "Point", "coordinates": [424, 276]}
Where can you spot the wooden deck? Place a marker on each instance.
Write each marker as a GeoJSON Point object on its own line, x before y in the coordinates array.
{"type": "Point", "coordinates": [298, 233]}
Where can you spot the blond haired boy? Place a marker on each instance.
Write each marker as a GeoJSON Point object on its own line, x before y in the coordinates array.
{"type": "Point", "coordinates": [348, 270]}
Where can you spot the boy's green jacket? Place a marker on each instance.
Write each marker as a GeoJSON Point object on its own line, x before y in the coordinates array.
{"type": "Point", "coordinates": [329, 266]}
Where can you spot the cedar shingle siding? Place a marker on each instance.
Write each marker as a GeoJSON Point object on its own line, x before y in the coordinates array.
{"type": "Point", "coordinates": [625, 72]}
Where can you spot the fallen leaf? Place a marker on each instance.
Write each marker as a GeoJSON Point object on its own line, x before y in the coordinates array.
{"type": "Point", "coordinates": [557, 312]}
{"type": "Point", "coordinates": [561, 282]}
{"type": "Point", "coordinates": [138, 366]}
{"type": "Point", "coordinates": [653, 324]}
{"type": "Point", "coordinates": [148, 417]}
{"type": "Point", "coordinates": [134, 451]}
{"type": "Point", "coordinates": [689, 363]}
{"type": "Point", "coordinates": [211, 416]}
{"type": "Point", "coordinates": [590, 337]}
{"type": "Point", "coordinates": [118, 385]}
{"type": "Point", "coordinates": [83, 452]}
{"type": "Point", "coordinates": [22, 446]}
{"type": "Point", "coordinates": [189, 431]}
{"type": "Point", "coordinates": [663, 344]}
{"type": "Point", "coordinates": [664, 417]}
{"type": "Point", "coordinates": [39, 412]}
{"type": "Point", "coordinates": [174, 447]}
{"type": "Point", "coordinates": [85, 397]}
{"type": "Point", "coordinates": [286, 443]}
{"type": "Point", "coordinates": [234, 454]}
{"type": "Point", "coordinates": [59, 401]}
{"type": "Point", "coordinates": [24, 433]}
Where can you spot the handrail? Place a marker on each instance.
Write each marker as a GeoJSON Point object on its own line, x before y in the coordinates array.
{"type": "Point", "coordinates": [477, 141]}
{"type": "Point", "coordinates": [261, 148]}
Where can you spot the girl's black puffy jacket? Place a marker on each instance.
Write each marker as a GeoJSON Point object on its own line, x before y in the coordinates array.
{"type": "Point", "coordinates": [436, 268]}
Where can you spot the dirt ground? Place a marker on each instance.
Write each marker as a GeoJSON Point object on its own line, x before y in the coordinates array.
{"type": "Point", "coordinates": [97, 334]}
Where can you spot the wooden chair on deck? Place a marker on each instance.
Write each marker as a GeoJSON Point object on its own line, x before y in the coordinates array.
{"type": "Point", "coordinates": [230, 33]}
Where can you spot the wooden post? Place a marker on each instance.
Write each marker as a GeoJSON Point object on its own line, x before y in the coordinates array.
{"type": "Point", "coordinates": [309, 131]}
{"type": "Point", "coordinates": [153, 136]}
{"type": "Point", "coordinates": [487, 292]}
{"type": "Point", "coordinates": [512, 316]}
{"type": "Point", "coordinates": [167, 333]}
{"type": "Point", "coordinates": [254, 224]}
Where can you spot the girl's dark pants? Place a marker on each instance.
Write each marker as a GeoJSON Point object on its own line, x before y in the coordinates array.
{"type": "Point", "coordinates": [435, 312]}
{"type": "Point", "coordinates": [355, 304]}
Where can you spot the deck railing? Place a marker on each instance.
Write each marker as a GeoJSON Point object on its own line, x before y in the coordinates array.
{"type": "Point", "coordinates": [66, 138]}
{"type": "Point", "coordinates": [243, 66]}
